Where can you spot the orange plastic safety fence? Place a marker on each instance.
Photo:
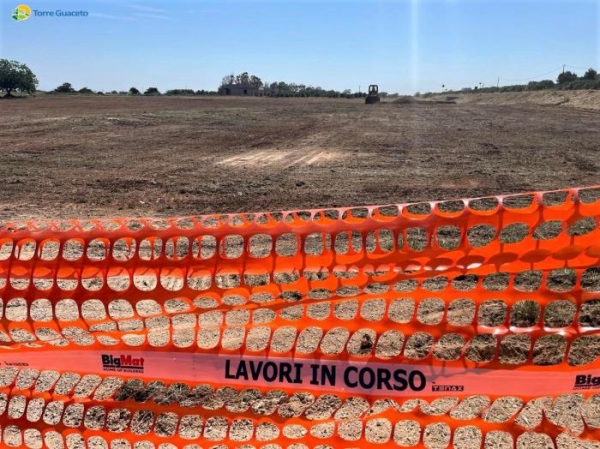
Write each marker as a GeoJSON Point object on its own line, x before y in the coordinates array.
{"type": "Point", "coordinates": [495, 297]}
{"type": "Point", "coordinates": [41, 405]}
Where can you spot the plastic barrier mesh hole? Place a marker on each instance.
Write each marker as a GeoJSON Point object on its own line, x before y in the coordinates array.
{"type": "Point", "coordinates": [525, 313]}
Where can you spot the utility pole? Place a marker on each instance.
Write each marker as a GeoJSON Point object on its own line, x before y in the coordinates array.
{"type": "Point", "coordinates": [498, 85]}
{"type": "Point", "coordinates": [359, 88]}
{"type": "Point", "coordinates": [564, 67]}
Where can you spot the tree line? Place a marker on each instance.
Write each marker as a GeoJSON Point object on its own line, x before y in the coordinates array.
{"type": "Point", "coordinates": [283, 89]}
{"type": "Point", "coordinates": [17, 77]}
{"type": "Point", "coordinates": [67, 88]}
{"type": "Point", "coordinates": [568, 80]}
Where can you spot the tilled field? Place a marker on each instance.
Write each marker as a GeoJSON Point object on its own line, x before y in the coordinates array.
{"type": "Point", "coordinates": [79, 157]}
{"type": "Point", "coordinates": [88, 156]}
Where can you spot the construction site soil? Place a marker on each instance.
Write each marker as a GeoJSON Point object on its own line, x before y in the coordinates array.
{"type": "Point", "coordinates": [69, 157]}
{"type": "Point", "coordinates": [79, 156]}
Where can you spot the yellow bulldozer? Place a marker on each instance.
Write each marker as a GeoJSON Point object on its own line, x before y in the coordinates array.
{"type": "Point", "coordinates": [373, 95]}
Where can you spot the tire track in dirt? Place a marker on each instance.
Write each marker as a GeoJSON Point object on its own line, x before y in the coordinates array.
{"type": "Point", "coordinates": [310, 150]}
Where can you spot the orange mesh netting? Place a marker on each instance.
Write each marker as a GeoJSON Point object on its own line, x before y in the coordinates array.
{"type": "Point", "coordinates": [471, 323]}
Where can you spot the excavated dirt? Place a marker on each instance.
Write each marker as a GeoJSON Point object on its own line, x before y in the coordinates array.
{"type": "Point", "coordinates": [576, 99]}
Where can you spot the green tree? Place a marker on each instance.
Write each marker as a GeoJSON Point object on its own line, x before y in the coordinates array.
{"type": "Point", "coordinates": [283, 89]}
{"type": "Point", "coordinates": [255, 81]}
{"type": "Point", "coordinates": [134, 91]}
{"type": "Point", "coordinates": [65, 88]}
{"type": "Point", "coordinates": [242, 78]}
{"type": "Point", "coordinates": [540, 85]}
{"type": "Point", "coordinates": [566, 77]}
{"type": "Point", "coordinates": [228, 79]}
{"type": "Point", "coordinates": [85, 90]}
{"type": "Point", "coordinates": [591, 74]}
{"type": "Point", "coordinates": [15, 76]}
{"type": "Point", "coordinates": [152, 91]}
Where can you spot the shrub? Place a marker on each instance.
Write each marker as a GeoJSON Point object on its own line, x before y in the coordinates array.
{"type": "Point", "coordinates": [566, 77]}
{"type": "Point", "coordinates": [581, 84]}
{"type": "Point", "coordinates": [134, 91]}
{"type": "Point", "coordinates": [65, 88]}
{"type": "Point", "coordinates": [85, 90]}
{"type": "Point", "coordinates": [514, 88]}
{"type": "Point", "coordinates": [591, 74]}
{"type": "Point", "coordinates": [180, 92]}
{"type": "Point", "coordinates": [540, 85]}
{"type": "Point", "coordinates": [152, 91]}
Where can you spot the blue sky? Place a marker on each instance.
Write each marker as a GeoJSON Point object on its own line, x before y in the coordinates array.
{"type": "Point", "coordinates": [404, 46]}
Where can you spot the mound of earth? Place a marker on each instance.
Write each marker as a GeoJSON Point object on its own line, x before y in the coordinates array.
{"type": "Point", "coordinates": [583, 99]}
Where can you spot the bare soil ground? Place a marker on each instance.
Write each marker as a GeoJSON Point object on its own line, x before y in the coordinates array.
{"type": "Point", "coordinates": [64, 157]}
{"type": "Point", "coordinates": [105, 156]}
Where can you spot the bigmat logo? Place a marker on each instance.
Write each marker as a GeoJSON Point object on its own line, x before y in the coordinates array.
{"type": "Point", "coordinates": [122, 363]}
{"type": "Point", "coordinates": [586, 382]}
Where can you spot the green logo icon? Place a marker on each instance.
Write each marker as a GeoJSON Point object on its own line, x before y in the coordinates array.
{"type": "Point", "coordinates": [21, 12]}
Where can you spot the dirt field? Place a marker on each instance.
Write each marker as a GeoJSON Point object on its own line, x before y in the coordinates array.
{"type": "Point", "coordinates": [106, 156]}
{"type": "Point", "coordinates": [63, 157]}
